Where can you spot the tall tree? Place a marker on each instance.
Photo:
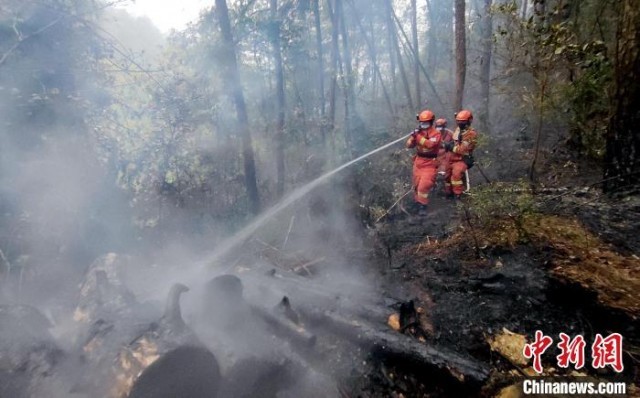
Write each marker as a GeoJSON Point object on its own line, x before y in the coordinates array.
{"type": "Point", "coordinates": [374, 61]}
{"type": "Point", "coordinates": [277, 59]}
{"type": "Point", "coordinates": [461, 53]}
{"type": "Point", "coordinates": [485, 68]}
{"type": "Point", "coordinates": [229, 60]}
{"type": "Point", "coordinates": [316, 18]}
{"type": "Point", "coordinates": [622, 158]}
{"type": "Point", "coordinates": [439, 39]}
{"type": "Point", "coordinates": [349, 92]}
{"type": "Point", "coordinates": [396, 47]}
{"type": "Point", "coordinates": [430, 61]}
{"type": "Point", "coordinates": [391, 47]}
{"type": "Point", "coordinates": [413, 52]}
{"type": "Point", "coordinates": [416, 48]}
{"type": "Point", "coordinates": [334, 66]}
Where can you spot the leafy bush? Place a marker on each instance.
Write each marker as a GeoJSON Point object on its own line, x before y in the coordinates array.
{"type": "Point", "coordinates": [502, 211]}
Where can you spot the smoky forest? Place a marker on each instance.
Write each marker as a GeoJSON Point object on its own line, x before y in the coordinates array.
{"type": "Point", "coordinates": [319, 198]}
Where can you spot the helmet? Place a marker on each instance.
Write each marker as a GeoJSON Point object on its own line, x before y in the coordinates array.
{"type": "Point", "coordinates": [426, 116]}
{"type": "Point", "coordinates": [464, 116]}
{"type": "Point", "coordinates": [441, 123]}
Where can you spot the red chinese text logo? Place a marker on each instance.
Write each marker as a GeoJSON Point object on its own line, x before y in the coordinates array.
{"type": "Point", "coordinates": [536, 349]}
{"type": "Point", "coordinates": [571, 351]}
{"type": "Point", "coordinates": [605, 351]}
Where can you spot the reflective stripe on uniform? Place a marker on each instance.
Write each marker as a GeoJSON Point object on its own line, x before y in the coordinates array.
{"type": "Point", "coordinates": [423, 194]}
{"type": "Point", "coordinates": [422, 141]}
{"type": "Point", "coordinates": [456, 182]}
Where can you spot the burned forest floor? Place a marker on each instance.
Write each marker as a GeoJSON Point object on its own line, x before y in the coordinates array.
{"type": "Point", "coordinates": [326, 300]}
{"type": "Point", "coordinates": [471, 282]}
{"type": "Point", "coordinates": [486, 272]}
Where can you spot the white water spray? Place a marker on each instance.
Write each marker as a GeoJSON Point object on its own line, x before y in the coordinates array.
{"type": "Point", "coordinates": [246, 232]}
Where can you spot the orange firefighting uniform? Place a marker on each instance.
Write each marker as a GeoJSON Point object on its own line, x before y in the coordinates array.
{"type": "Point", "coordinates": [443, 155]}
{"type": "Point", "coordinates": [465, 143]}
{"type": "Point", "coordinates": [425, 162]}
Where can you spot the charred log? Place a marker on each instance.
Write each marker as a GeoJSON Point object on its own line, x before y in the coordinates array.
{"type": "Point", "coordinates": [172, 313]}
{"type": "Point", "coordinates": [102, 293]}
{"type": "Point", "coordinates": [284, 307]}
{"type": "Point", "coordinates": [283, 325]}
{"type": "Point", "coordinates": [28, 353]}
{"type": "Point", "coordinates": [186, 371]}
{"type": "Point", "coordinates": [390, 345]}
{"type": "Point", "coordinates": [224, 306]}
{"type": "Point", "coordinates": [136, 346]}
{"type": "Point", "coordinates": [169, 333]}
{"type": "Point", "coordinates": [410, 321]}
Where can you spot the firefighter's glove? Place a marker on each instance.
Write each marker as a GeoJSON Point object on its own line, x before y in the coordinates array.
{"type": "Point", "coordinates": [448, 146]}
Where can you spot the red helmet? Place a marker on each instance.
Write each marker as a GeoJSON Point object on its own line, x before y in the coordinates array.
{"type": "Point", "coordinates": [426, 116]}
{"type": "Point", "coordinates": [464, 116]}
{"type": "Point", "coordinates": [441, 123]}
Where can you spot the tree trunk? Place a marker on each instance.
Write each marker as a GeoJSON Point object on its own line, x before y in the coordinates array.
{"type": "Point", "coordinates": [316, 18]}
{"type": "Point", "coordinates": [416, 47]}
{"type": "Point", "coordinates": [461, 53]}
{"type": "Point", "coordinates": [536, 151]}
{"type": "Point", "coordinates": [485, 67]}
{"type": "Point", "coordinates": [525, 5]}
{"type": "Point", "coordinates": [334, 69]}
{"type": "Point", "coordinates": [391, 38]}
{"type": "Point", "coordinates": [277, 58]}
{"type": "Point", "coordinates": [540, 12]}
{"type": "Point", "coordinates": [420, 66]}
{"type": "Point", "coordinates": [350, 111]}
{"type": "Point", "coordinates": [233, 75]}
{"type": "Point", "coordinates": [320, 54]}
{"type": "Point", "coordinates": [431, 39]}
{"type": "Point", "coordinates": [396, 47]}
{"type": "Point", "coordinates": [440, 41]}
{"type": "Point", "coordinates": [376, 68]}
{"type": "Point", "coordinates": [622, 158]}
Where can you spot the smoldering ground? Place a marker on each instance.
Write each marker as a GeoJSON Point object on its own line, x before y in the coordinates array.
{"type": "Point", "coordinates": [62, 208]}
{"type": "Point", "coordinates": [248, 351]}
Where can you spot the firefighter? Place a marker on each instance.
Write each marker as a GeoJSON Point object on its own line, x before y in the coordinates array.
{"type": "Point", "coordinates": [460, 150]}
{"type": "Point", "coordinates": [443, 155]}
{"type": "Point", "coordinates": [427, 140]}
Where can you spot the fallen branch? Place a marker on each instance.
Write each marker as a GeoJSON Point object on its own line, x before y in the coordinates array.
{"type": "Point", "coordinates": [394, 205]}
{"type": "Point", "coordinates": [483, 174]}
{"type": "Point", "coordinates": [308, 264]}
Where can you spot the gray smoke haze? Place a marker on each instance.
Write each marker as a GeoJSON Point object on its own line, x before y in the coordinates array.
{"type": "Point", "coordinates": [63, 203]}
{"type": "Point", "coordinates": [121, 174]}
